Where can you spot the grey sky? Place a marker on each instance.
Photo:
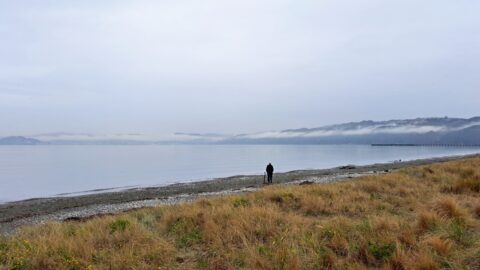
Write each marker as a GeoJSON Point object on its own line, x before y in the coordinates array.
{"type": "Point", "coordinates": [158, 67]}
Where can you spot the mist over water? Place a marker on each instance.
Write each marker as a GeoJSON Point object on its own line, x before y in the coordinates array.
{"type": "Point", "coordinates": [39, 171]}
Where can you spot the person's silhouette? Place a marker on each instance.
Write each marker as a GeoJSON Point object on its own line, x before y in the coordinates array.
{"type": "Point", "coordinates": [270, 172]}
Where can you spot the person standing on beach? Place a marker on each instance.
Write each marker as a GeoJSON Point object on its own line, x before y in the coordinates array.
{"type": "Point", "coordinates": [270, 172]}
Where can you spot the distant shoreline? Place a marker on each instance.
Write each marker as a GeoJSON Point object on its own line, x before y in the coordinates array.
{"type": "Point", "coordinates": [432, 145]}
{"type": "Point", "coordinates": [146, 143]}
{"type": "Point", "coordinates": [34, 211]}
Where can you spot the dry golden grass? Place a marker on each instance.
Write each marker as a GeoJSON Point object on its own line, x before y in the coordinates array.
{"type": "Point", "coordinates": [447, 207]}
{"type": "Point", "coordinates": [425, 217]}
{"type": "Point", "coordinates": [441, 246]}
{"type": "Point", "coordinates": [477, 211]}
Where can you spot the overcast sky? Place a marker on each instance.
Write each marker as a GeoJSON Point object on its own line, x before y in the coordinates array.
{"type": "Point", "coordinates": [158, 67]}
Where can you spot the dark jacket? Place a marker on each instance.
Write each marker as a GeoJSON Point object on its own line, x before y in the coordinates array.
{"type": "Point", "coordinates": [269, 169]}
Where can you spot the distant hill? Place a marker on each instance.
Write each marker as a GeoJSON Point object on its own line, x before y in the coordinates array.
{"type": "Point", "coordinates": [444, 130]}
{"type": "Point", "coordinates": [19, 140]}
{"type": "Point", "coordinates": [424, 131]}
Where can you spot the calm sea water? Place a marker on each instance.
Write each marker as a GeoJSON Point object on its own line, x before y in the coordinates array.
{"type": "Point", "coordinates": [38, 171]}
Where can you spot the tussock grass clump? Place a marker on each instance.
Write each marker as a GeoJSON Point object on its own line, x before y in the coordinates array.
{"type": "Point", "coordinates": [422, 217]}
{"type": "Point", "coordinates": [476, 211]}
{"type": "Point", "coordinates": [468, 185]}
{"type": "Point", "coordinates": [425, 262]}
{"type": "Point", "coordinates": [447, 207]}
{"type": "Point", "coordinates": [427, 221]}
{"type": "Point", "coordinates": [440, 246]}
{"type": "Point", "coordinates": [466, 180]}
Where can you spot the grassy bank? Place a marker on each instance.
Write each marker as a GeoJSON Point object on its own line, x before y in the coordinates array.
{"type": "Point", "coordinates": [425, 217]}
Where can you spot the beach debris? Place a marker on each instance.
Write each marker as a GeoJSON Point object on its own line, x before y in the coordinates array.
{"type": "Point", "coordinates": [347, 167]}
{"type": "Point", "coordinates": [306, 183]}
{"type": "Point", "coordinates": [427, 169]}
{"type": "Point", "coordinates": [74, 218]}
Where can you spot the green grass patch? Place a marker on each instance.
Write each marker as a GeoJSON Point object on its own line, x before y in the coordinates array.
{"type": "Point", "coordinates": [118, 225]}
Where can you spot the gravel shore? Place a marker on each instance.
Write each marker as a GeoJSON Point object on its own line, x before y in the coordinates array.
{"type": "Point", "coordinates": [36, 211]}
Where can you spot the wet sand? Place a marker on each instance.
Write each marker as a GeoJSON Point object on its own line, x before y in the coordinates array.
{"type": "Point", "coordinates": [35, 211]}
